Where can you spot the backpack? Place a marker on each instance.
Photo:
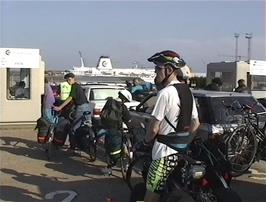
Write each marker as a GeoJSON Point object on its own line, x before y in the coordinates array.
{"type": "Point", "coordinates": [186, 104]}
{"type": "Point", "coordinates": [181, 137]}
{"type": "Point", "coordinates": [43, 127]}
{"type": "Point", "coordinates": [62, 129]}
{"type": "Point", "coordinates": [111, 114]}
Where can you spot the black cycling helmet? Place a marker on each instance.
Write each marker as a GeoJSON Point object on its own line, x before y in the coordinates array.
{"type": "Point", "coordinates": [69, 75]}
{"type": "Point", "coordinates": [168, 57]}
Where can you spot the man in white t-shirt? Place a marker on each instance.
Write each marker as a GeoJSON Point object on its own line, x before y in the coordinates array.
{"type": "Point", "coordinates": [170, 69]}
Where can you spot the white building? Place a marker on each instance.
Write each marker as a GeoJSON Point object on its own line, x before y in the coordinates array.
{"type": "Point", "coordinates": [254, 74]}
{"type": "Point", "coordinates": [21, 84]}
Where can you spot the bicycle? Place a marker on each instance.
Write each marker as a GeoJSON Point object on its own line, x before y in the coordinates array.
{"type": "Point", "coordinates": [83, 137]}
{"type": "Point", "coordinates": [202, 174]}
{"type": "Point", "coordinates": [246, 143]}
{"type": "Point", "coordinates": [126, 151]}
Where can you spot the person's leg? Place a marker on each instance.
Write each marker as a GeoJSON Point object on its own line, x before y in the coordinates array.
{"type": "Point", "coordinates": [158, 173]}
{"type": "Point", "coordinates": [112, 141]}
{"type": "Point", "coordinates": [47, 114]}
{"type": "Point", "coordinates": [79, 113]}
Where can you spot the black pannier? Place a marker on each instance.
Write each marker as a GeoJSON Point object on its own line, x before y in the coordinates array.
{"type": "Point", "coordinates": [43, 127]}
{"type": "Point", "coordinates": [62, 129]}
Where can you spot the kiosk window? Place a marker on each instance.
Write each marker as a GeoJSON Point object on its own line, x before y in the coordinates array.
{"type": "Point", "coordinates": [18, 83]}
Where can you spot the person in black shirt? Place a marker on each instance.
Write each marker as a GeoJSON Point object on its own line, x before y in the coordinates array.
{"type": "Point", "coordinates": [77, 95]}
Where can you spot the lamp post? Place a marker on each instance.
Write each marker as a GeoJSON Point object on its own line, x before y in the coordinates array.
{"type": "Point", "coordinates": [236, 48]}
{"type": "Point", "coordinates": [249, 36]}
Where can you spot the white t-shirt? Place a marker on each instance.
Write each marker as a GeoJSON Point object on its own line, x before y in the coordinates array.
{"type": "Point", "coordinates": [167, 104]}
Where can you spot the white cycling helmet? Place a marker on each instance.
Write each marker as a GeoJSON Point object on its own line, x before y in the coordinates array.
{"type": "Point", "coordinates": [125, 94]}
{"type": "Point", "coordinates": [186, 72]}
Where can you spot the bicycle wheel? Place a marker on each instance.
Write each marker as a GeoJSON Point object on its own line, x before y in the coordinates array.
{"type": "Point", "coordinates": [90, 144]}
{"type": "Point", "coordinates": [126, 156]}
{"type": "Point", "coordinates": [50, 147]}
{"type": "Point", "coordinates": [49, 150]}
{"type": "Point", "coordinates": [137, 170]}
{"type": "Point", "coordinates": [241, 148]}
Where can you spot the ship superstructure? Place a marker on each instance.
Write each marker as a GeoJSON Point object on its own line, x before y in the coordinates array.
{"type": "Point", "coordinates": [104, 68]}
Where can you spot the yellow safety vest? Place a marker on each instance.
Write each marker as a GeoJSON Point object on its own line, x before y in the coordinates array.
{"type": "Point", "coordinates": [65, 89]}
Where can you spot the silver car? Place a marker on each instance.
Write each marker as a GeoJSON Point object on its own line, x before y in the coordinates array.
{"type": "Point", "coordinates": [97, 95]}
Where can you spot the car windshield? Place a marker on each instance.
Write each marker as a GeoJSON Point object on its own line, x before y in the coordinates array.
{"type": "Point", "coordinates": [212, 110]}
{"type": "Point", "coordinates": [103, 93]}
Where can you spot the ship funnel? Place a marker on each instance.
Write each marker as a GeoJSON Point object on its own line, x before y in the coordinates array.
{"type": "Point", "coordinates": [81, 59]}
{"type": "Point", "coordinates": [104, 62]}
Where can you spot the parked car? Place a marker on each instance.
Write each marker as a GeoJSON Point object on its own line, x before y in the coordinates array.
{"type": "Point", "coordinates": [214, 116]}
{"type": "Point", "coordinates": [97, 95]}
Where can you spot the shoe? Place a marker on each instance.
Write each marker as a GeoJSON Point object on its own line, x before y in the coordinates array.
{"type": "Point", "coordinates": [107, 171]}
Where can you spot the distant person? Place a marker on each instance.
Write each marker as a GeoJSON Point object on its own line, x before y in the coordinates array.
{"type": "Point", "coordinates": [48, 101]}
{"type": "Point", "coordinates": [129, 85]}
{"type": "Point", "coordinates": [215, 85]}
{"type": "Point", "coordinates": [77, 95]}
{"type": "Point", "coordinates": [137, 87]}
{"type": "Point", "coordinates": [241, 88]}
{"type": "Point", "coordinates": [20, 91]}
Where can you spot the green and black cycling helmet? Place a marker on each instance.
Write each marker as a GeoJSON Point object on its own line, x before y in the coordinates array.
{"type": "Point", "coordinates": [174, 59]}
{"type": "Point", "coordinates": [168, 57]}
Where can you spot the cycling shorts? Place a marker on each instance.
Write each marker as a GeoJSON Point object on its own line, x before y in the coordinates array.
{"type": "Point", "coordinates": [159, 171]}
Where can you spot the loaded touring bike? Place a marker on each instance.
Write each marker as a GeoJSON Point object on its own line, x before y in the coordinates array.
{"type": "Point", "coordinates": [56, 134]}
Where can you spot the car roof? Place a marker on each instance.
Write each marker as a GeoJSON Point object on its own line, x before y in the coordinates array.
{"type": "Point", "coordinates": [207, 93]}
{"type": "Point", "coordinates": [101, 86]}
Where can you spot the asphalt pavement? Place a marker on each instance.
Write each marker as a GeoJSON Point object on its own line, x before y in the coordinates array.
{"type": "Point", "coordinates": [27, 175]}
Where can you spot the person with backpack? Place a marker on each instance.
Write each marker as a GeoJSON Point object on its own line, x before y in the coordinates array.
{"type": "Point", "coordinates": [175, 111]}
{"type": "Point", "coordinates": [77, 95]}
{"type": "Point", "coordinates": [113, 115]}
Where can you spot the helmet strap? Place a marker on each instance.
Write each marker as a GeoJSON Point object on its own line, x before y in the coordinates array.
{"type": "Point", "coordinates": [164, 81]}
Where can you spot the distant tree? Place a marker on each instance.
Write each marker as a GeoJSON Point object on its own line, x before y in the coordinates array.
{"type": "Point", "coordinates": [198, 82]}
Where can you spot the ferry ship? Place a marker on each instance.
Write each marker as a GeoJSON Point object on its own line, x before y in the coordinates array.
{"type": "Point", "coordinates": [104, 68]}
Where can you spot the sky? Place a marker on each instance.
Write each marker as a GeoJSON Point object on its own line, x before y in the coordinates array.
{"type": "Point", "coordinates": [131, 31]}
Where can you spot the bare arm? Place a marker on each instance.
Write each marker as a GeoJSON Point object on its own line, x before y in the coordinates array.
{"type": "Point", "coordinates": [63, 104]}
{"type": "Point", "coordinates": [194, 125]}
{"type": "Point", "coordinates": [153, 130]}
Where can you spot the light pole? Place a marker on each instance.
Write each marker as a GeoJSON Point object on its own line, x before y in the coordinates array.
{"type": "Point", "coordinates": [249, 36]}
{"type": "Point", "coordinates": [236, 48]}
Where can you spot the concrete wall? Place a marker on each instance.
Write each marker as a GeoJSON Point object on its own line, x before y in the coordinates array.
{"type": "Point", "coordinates": [22, 111]}
{"type": "Point", "coordinates": [242, 71]}
{"type": "Point", "coordinates": [226, 71]}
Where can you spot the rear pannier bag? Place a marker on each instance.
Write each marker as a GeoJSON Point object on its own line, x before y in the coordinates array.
{"type": "Point", "coordinates": [62, 129]}
{"type": "Point", "coordinates": [84, 136]}
{"type": "Point", "coordinates": [111, 114]}
{"type": "Point", "coordinates": [43, 129]}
